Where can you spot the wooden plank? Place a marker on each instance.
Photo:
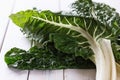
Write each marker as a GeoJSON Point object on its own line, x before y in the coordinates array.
{"type": "Point", "coordinates": [5, 10]}
{"type": "Point", "coordinates": [39, 4]}
{"type": "Point", "coordinates": [46, 75]}
{"type": "Point", "coordinates": [79, 74]}
{"type": "Point", "coordinates": [65, 5]}
{"type": "Point", "coordinates": [14, 38]}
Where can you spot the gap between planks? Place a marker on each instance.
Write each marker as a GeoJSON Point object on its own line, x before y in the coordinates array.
{"type": "Point", "coordinates": [8, 21]}
{"type": "Point", "coordinates": [47, 71]}
{"type": "Point", "coordinates": [32, 44]}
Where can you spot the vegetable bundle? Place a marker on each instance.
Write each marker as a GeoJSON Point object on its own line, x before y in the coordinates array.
{"type": "Point", "coordinates": [90, 31]}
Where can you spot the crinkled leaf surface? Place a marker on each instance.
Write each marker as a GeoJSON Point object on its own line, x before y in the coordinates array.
{"type": "Point", "coordinates": [100, 11]}
{"type": "Point", "coordinates": [71, 45]}
{"type": "Point", "coordinates": [44, 58]}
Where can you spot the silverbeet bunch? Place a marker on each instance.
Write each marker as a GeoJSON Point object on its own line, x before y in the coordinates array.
{"type": "Point", "coordinates": [87, 34]}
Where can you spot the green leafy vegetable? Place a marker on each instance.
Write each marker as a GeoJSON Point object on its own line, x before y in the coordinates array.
{"type": "Point", "coordinates": [99, 11]}
{"type": "Point", "coordinates": [44, 58]}
{"type": "Point", "coordinates": [90, 31]}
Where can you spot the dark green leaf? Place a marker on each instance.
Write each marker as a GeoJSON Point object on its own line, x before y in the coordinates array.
{"type": "Point", "coordinates": [71, 45]}
{"type": "Point", "coordinates": [44, 58]}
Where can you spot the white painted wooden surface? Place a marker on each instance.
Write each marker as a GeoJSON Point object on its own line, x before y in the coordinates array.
{"type": "Point", "coordinates": [14, 38]}
{"type": "Point", "coordinates": [5, 10]}
{"type": "Point", "coordinates": [79, 74]}
{"type": "Point", "coordinates": [46, 75]}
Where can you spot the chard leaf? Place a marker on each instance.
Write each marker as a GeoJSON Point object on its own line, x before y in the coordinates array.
{"type": "Point", "coordinates": [71, 45]}
{"type": "Point", "coordinates": [100, 11]}
{"type": "Point", "coordinates": [83, 8]}
{"type": "Point", "coordinates": [44, 58]}
{"type": "Point", "coordinates": [14, 55]}
{"type": "Point", "coordinates": [40, 24]}
{"type": "Point", "coordinates": [116, 51]}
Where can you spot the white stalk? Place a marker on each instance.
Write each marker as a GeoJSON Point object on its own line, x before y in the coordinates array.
{"type": "Point", "coordinates": [104, 60]}
{"type": "Point", "coordinates": [100, 62]}
{"type": "Point", "coordinates": [110, 64]}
